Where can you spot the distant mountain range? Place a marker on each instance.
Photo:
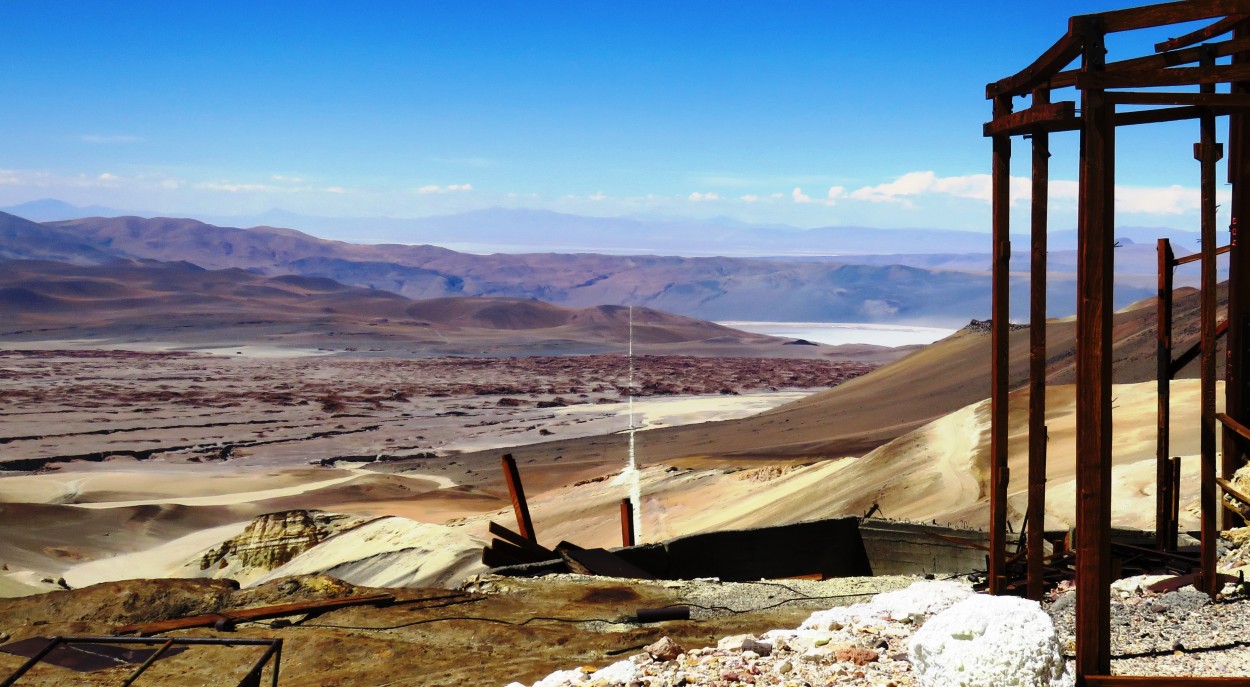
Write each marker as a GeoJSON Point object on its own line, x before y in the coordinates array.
{"type": "Point", "coordinates": [518, 230]}
{"type": "Point", "coordinates": [944, 288]}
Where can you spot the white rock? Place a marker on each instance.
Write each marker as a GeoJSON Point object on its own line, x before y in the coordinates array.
{"type": "Point", "coordinates": [913, 603]}
{"type": "Point", "coordinates": [988, 641]}
{"type": "Point", "coordinates": [561, 678]}
{"type": "Point", "coordinates": [619, 673]}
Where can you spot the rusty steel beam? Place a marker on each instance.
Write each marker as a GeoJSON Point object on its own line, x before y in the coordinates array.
{"type": "Point", "coordinates": [525, 525]}
{"type": "Point", "coordinates": [1000, 316]}
{"type": "Point", "coordinates": [627, 523]}
{"type": "Point", "coordinates": [1237, 345]}
{"type": "Point", "coordinates": [1208, 152]}
{"type": "Point", "coordinates": [1163, 358]}
{"type": "Point", "coordinates": [1166, 13]}
{"type": "Point", "coordinates": [1036, 518]}
{"type": "Point", "coordinates": [1205, 33]}
{"type": "Point", "coordinates": [1095, 275]}
{"type": "Point", "coordinates": [1060, 114]}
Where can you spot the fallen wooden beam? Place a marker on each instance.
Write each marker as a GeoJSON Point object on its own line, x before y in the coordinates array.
{"type": "Point", "coordinates": [246, 614]}
{"type": "Point", "coordinates": [539, 552]}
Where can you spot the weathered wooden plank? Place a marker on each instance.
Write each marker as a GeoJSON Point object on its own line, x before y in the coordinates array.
{"type": "Point", "coordinates": [1058, 56]}
{"type": "Point", "coordinates": [542, 553]}
{"type": "Point", "coordinates": [1175, 76]}
{"type": "Point", "coordinates": [1095, 275]}
{"type": "Point", "coordinates": [1195, 350]}
{"type": "Point", "coordinates": [1233, 425]}
{"type": "Point", "coordinates": [517, 492]}
{"type": "Point", "coordinates": [1220, 100]}
{"type": "Point", "coordinates": [1036, 511]}
{"type": "Point", "coordinates": [260, 613]}
{"type": "Point", "coordinates": [1060, 115]}
{"type": "Point", "coordinates": [1000, 317]}
{"type": "Point", "coordinates": [1169, 59]}
{"type": "Point", "coordinates": [1205, 33]}
{"type": "Point", "coordinates": [1195, 257]}
{"type": "Point", "coordinates": [1167, 13]}
{"type": "Point", "coordinates": [1163, 368]}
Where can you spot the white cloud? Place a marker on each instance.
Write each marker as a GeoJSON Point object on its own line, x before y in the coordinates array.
{"type": "Point", "coordinates": [1168, 200]}
{"type": "Point", "coordinates": [450, 188]}
{"type": "Point", "coordinates": [234, 187]}
{"type": "Point", "coordinates": [598, 196]}
{"type": "Point", "coordinates": [836, 192]}
{"type": "Point", "coordinates": [335, 189]}
{"type": "Point", "coordinates": [293, 180]}
{"type": "Point", "coordinates": [106, 140]}
{"type": "Point", "coordinates": [698, 197]}
{"type": "Point", "coordinates": [800, 197]}
{"type": "Point", "coordinates": [749, 198]}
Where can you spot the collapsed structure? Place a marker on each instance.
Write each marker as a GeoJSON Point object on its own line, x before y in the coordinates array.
{"type": "Point", "coordinates": [1111, 94]}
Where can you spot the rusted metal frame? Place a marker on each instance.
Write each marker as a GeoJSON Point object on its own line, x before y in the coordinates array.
{"type": "Point", "coordinates": [1060, 114]}
{"type": "Point", "coordinates": [1173, 681]}
{"type": "Point", "coordinates": [519, 504]}
{"type": "Point", "coordinates": [1162, 681]}
{"type": "Point", "coordinates": [1058, 56]}
{"type": "Point", "coordinates": [1196, 350]}
{"type": "Point", "coordinates": [1035, 524]}
{"type": "Point", "coordinates": [1175, 76]}
{"type": "Point", "coordinates": [1162, 61]}
{"type": "Point", "coordinates": [1208, 152]}
{"type": "Point", "coordinates": [1000, 315]}
{"type": "Point", "coordinates": [627, 523]}
{"type": "Point", "coordinates": [1207, 32]}
{"type": "Point", "coordinates": [248, 614]}
{"type": "Point", "coordinates": [1095, 275]}
{"type": "Point", "coordinates": [148, 663]}
{"type": "Point", "coordinates": [273, 651]}
{"type": "Point", "coordinates": [32, 661]}
{"type": "Point", "coordinates": [1195, 257]}
{"type": "Point", "coordinates": [1237, 345]}
{"type": "Point", "coordinates": [1166, 13]}
{"type": "Point", "coordinates": [1229, 101]}
{"type": "Point", "coordinates": [1163, 357]}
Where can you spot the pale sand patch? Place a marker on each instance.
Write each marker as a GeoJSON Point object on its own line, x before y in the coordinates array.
{"type": "Point", "coordinates": [164, 560]}
{"type": "Point", "coordinates": [651, 412]}
{"type": "Point", "coordinates": [214, 485]}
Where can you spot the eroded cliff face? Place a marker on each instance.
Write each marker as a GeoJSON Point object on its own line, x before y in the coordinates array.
{"type": "Point", "coordinates": [272, 540]}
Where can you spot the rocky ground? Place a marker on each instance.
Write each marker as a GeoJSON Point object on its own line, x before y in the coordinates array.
{"type": "Point", "coordinates": [88, 405]}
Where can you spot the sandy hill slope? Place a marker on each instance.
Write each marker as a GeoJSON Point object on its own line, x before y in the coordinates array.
{"type": "Point", "coordinates": [170, 302]}
{"type": "Point", "coordinates": [714, 288]}
{"type": "Point", "coordinates": [865, 413]}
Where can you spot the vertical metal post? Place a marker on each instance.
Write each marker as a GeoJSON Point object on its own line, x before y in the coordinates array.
{"type": "Point", "coordinates": [1175, 474]}
{"type": "Point", "coordinates": [1036, 525]}
{"type": "Point", "coordinates": [1096, 219]}
{"type": "Point", "coordinates": [1237, 368]}
{"type": "Point", "coordinates": [1208, 152]}
{"type": "Point", "coordinates": [627, 522]}
{"type": "Point", "coordinates": [1165, 528]}
{"type": "Point", "coordinates": [524, 524]}
{"type": "Point", "coordinates": [1000, 315]}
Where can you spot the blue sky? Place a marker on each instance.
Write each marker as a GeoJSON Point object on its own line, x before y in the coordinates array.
{"type": "Point", "coordinates": [803, 113]}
